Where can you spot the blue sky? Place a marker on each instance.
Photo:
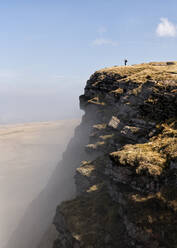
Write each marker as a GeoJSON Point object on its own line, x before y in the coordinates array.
{"type": "Point", "coordinates": [48, 49]}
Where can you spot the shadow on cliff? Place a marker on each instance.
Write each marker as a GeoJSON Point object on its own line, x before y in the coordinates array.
{"type": "Point", "coordinates": [39, 214]}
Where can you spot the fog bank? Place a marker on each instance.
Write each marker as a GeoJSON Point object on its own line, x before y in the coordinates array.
{"type": "Point", "coordinates": [29, 154]}
{"type": "Point", "coordinates": [25, 107]}
{"type": "Point", "coordinates": [34, 229]}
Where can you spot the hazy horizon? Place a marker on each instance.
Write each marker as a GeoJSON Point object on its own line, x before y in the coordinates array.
{"type": "Point", "coordinates": [21, 108]}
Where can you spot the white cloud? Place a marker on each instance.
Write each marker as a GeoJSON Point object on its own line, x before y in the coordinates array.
{"type": "Point", "coordinates": [102, 41]}
{"type": "Point", "coordinates": [166, 28]}
{"type": "Point", "coordinates": [102, 30]}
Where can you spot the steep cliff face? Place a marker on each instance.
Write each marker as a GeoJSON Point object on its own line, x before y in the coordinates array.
{"type": "Point", "coordinates": [127, 194]}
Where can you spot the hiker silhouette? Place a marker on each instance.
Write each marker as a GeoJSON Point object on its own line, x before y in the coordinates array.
{"type": "Point", "coordinates": [125, 62]}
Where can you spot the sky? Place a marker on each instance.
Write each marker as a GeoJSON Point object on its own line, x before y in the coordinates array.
{"type": "Point", "coordinates": [49, 48]}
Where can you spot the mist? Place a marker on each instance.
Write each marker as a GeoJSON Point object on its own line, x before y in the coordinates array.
{"type": "Point", "coordinates": [25, 107]}
{"type": "Point", "coordinates": [39, 111]}
{"type": "Point", "coordinates": [30, 153]}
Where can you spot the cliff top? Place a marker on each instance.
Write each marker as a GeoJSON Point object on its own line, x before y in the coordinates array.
{"type": "Point", "coordinates": [155, 71]}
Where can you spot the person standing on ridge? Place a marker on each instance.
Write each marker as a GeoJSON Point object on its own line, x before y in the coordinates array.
{"type": "Point", "coordinates": [125, 62]}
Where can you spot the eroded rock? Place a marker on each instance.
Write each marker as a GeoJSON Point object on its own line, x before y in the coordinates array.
{"type": "Point", "coordinates": [127, 194]}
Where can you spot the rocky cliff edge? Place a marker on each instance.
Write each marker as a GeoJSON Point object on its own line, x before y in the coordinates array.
{"type": "Point", "coordinates": [127, 194]}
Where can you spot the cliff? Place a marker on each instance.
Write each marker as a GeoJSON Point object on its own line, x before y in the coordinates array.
{"type": "Point", "coordinates": [127, 184]}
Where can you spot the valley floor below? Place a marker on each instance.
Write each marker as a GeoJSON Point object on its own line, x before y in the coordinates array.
{"type": "Point", "coordinates": [29, 154]}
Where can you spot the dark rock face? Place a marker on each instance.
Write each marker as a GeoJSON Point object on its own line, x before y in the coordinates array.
{"type": "Point", "coordinates": [127, 195]}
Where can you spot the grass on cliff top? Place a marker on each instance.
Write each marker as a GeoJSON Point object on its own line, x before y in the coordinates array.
{"type": "Point", "coordinates": [159, 72]}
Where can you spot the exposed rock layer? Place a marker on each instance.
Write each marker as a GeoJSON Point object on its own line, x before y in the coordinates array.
{"type": "Point", "coordinates": [127, 195]}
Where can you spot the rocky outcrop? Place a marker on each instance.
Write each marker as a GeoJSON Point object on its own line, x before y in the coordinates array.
{"type": "Point", "coordinates": [127, 195]}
